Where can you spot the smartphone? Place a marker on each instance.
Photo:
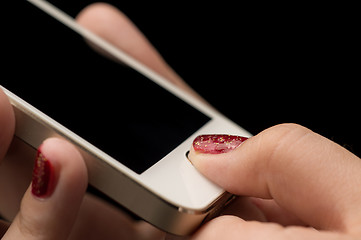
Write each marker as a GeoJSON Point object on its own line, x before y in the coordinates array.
{"type": "Point", "coordinates": [132, 126]}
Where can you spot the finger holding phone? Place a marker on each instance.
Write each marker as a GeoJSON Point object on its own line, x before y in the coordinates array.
{"type": "Point", "coordinates": [51, 159]}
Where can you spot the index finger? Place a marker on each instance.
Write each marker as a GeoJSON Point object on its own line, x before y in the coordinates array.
{"type": "Point", "coordinates": [305, 173]}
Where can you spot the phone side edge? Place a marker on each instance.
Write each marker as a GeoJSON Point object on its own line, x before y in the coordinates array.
{"type": "Point", "coordinates": [123, 57]}
{"type": "Point", "coordinates": [33, 129]}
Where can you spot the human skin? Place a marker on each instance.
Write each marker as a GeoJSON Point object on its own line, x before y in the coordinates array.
{"type": "Point", "coordinates": [293, 178]}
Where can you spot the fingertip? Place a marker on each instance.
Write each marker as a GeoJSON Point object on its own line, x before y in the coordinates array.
{"type": "Point", "coordinates": [224, 227]}
{"type": "Point", "coordinates": [102, 19]}
{"type": "Point", "coordinates": [59, 148]}
{"type": "Point", "coordinates": [221, 168]}
{"type": "Point", "coordinates": [68, 161]}
{"type": "Point", "coordinates": [114, 26]}
{"type": "Point", "coordinates": [51, 203]}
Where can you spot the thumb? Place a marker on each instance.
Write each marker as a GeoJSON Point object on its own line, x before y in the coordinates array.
{"type": "Point", "coordinates": [50, 205]}
{"type": "Point", "coordinates": [306, 174]}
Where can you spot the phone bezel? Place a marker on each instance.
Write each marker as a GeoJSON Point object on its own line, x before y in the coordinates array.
{"type": "Point", "coordinates": [132, 190]}
{"type": "Point", "coordinates": [33, 127]}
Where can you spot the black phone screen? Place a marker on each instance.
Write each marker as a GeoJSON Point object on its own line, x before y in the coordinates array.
{"type": "Point", "coordinates": [108, 104]}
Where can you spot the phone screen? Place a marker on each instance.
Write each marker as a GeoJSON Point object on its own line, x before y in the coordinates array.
{"type": "Point", "coordinates": [110, 105]}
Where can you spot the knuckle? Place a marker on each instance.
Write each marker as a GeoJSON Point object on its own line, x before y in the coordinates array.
{"type": "Point", "coordinates": [29, 227]}
{"type": "Point", "coordinates": [282, 141]}
{"type": "Point", "coordinates": [286, 128]}
{"type": "Point", "coordinates": [284, 136]}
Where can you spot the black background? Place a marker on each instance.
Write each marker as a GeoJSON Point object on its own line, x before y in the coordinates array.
{"type": "Point", "coordinates": [258, 64]}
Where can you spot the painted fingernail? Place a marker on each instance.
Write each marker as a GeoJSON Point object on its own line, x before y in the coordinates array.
{"type": "Point", "coordinates": [43, 176]}
{"type": "Point", "coordinates": [216, 144]}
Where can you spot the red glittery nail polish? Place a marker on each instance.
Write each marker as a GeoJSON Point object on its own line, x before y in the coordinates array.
{"type": "Point", "coordinates": [43, 176]}
{"type": "Point", "coordinates": [216, 144]}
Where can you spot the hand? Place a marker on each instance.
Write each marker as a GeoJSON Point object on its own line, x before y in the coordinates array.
{"type": "Point", "coordinates": [32, 224]}
{"type": "Point", "coordinates": [306, 186]}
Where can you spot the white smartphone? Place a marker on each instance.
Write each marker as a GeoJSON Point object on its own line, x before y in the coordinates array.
{"type": "Point", "coordinates": [132, 126]}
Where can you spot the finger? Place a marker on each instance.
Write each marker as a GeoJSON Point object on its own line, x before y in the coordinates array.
{"type": "Point", "coordinates": [50, 205]}
{"type": "Point", "coordinates": [230, 227]}
{"type": "Point", "coordinates": [7, 124]}
{"type": "Point", "coordinates": [274, 213]}
{"type": "Point", "coordinates": [244, 208]}
{"type": "Point", "coordinates": [112, 25]}
{"type": "Point", "coordinates": [109, 222]}
{"type": "Point", "coordinates": [305, 173]}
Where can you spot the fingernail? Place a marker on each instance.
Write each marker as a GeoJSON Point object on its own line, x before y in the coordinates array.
{"type": "Point", "coordinates": [216, 144]}
{"type": "Point", "coordinates": [43, 176]}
